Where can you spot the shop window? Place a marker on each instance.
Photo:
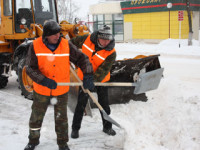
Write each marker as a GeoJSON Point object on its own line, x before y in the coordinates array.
{"type": "Point", "coordinates": [95, 18]}
{"type": "Point", "coordinates": [118, 16]}
{"type": "Point", "coordinates": [100, 18]}
{"type": "Point", "coordinates": [108, 17]}
{"type": "Point", "coordinates": [114, 21]}
{"type": "Point", "coordinates": [118, 27]}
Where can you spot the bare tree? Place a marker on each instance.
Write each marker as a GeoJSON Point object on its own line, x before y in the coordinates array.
{"type": "Point", "coordinates": [67, 10]}
{"type": "Point", "coordinates": [190, 22]}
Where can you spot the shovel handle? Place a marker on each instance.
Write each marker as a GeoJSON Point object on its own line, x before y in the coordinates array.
{"type": "Point", "coordinates": [86, 90]}
{"type": "Point", "coordinates": [94, 99]}
{"type": "Point", "coordinates": [105, 115]}
{"type": "Point", "coordinates": [98, 84]}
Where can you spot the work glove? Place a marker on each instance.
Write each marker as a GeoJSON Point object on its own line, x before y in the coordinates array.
{"type": "Point", "coordinates": [49, 83]}
{"type": "Point", "coordinates": [88, 82]}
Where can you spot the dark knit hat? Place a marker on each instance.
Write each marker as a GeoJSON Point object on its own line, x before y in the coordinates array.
{"type": "Point", "coordinates": [105, 33]}
{"type": "Point", "coordinates": [51, 27]}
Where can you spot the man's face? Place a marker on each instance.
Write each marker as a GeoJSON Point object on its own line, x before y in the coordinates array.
{"type": "Point", "coordinates": [103, 42]}
{"type": "Point", "coordinates": [53, 39]}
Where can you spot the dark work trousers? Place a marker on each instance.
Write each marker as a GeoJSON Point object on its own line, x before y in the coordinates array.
{"type": "Point", "coordinates": [39, 107]}
{"type": "Point", "coordinates": [102, 93]}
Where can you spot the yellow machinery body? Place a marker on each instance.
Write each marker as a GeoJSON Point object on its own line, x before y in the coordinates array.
{"type": "Point", "coordinates": [22, 21]}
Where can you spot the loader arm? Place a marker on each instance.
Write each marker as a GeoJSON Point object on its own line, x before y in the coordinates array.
{"type": "Point", "coordinates": [73, 30]}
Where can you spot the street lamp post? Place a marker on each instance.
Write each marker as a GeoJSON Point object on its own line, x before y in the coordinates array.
{"type": "Point", "coordinates": [169, 6]}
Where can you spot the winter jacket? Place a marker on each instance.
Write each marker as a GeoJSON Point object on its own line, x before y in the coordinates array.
{"type": "Point", "coordinates": [36, 72]}
{"type": "Point", "coordinates": [96, 58]}
{"type": "Point", "coordinates": [105, 67]}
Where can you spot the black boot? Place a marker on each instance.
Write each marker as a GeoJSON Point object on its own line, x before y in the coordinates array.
{"type": "Point", "coordinates": [30, 146]}
{"type": "Point", "coordinates": [64, 148]}
{"type": "Point", "coordinates": [74, 134]}
{"type": "Point", "coordinates": [109, 131]}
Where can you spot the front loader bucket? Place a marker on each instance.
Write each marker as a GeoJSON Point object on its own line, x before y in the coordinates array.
{"type": "Point", "coordinates": [124, 70]}
{"type": "Point", "coordinates": [129, 71]}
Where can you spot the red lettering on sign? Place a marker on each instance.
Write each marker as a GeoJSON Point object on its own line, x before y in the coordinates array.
{"type": "Point", "coordinates": [180, 16]}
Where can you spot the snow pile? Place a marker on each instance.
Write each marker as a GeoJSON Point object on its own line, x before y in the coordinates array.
{"type": "Point", "coordinates": [166, 47]}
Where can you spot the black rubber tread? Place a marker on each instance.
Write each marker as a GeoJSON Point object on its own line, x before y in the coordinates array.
{"type": "Point", "coordinates": [3, 81]}
{"type": "Point", "coordinates": [24, 92]}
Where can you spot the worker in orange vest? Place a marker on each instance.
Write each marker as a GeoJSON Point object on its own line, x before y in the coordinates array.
{"type": "Point", "coordinates": [99, 47]}
{"type": "Point", "coordinates": [48, 62]}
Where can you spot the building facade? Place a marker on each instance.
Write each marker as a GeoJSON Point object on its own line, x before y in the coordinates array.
{"type": "Point", "coordinates": [109, 13]}
{"type": "Point", "coordinates": [148, 19]}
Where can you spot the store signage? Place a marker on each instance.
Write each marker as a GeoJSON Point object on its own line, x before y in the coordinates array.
{"type": "Point", "coordinates": [144, 6]}
{"type": "Point", "coordinates": [134, 2]}
{"type": "Point", "coordinates": [180, 15]}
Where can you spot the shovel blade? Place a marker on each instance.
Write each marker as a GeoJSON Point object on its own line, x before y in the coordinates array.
{"type": "Point", "coordinates": [108, 118]}
{"type": "Point", "coordinates": [149, 81]}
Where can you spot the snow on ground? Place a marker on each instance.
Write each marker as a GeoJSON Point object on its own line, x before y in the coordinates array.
{"type": "Point", "coordinates": [169, 120]}
{"type": "Point", "coordinates": [168, 47]}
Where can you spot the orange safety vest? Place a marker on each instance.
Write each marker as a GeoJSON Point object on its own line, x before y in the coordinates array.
{"type": "Point", "coordinates": [97, 59]}
{"type": "Point", "coordinates": [54, 65]}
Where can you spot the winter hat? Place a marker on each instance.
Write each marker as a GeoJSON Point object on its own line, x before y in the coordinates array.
{"type": "Point", "coordinates": [105, 33]}
{"type": "Point", "coordinates": [51, 27]}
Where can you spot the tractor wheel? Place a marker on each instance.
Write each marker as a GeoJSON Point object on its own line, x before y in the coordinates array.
{"type": "Point", "coordinates": [25, 82]}
{"type": "Point", "coordinates": [3, 81]}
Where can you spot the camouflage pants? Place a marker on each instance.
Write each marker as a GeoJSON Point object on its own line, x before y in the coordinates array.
{"type": "Point", "coordinates": [39, 107]}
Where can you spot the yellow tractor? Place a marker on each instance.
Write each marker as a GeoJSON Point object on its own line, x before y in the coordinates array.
{"type": "Point", "coordinates": [21, 22]}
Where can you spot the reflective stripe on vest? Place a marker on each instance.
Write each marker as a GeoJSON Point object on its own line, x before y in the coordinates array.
{"type": "Point", "coordinates": [54, 65]}
{"type": "Point", "coordinates": [97, 59]}
{"type": "Point", "coordinates": [35, 129]}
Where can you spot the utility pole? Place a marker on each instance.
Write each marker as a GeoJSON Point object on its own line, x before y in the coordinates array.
{"type": "Point", "coordinates": [190, 22]}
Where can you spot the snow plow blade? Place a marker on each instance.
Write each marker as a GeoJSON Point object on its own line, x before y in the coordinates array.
{"type": "Point", "coordinates": [136, 70]}
{"type": "Point", "coordinates": [144, 72]}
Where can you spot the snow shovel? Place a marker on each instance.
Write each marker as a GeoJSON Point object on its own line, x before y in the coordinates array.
{"type": "Point", "coordinates": [105, 115]}
{"type": "Point", "coordinates": [146, 82]}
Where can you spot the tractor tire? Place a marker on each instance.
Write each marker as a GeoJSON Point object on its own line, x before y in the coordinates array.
{"type": "Point", "coordinates": [25, 82]}
{"type": "Point", "coordinates": [3, 81]}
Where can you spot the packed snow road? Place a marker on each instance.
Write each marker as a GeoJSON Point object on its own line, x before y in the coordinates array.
{"type": "Point", "coordinates": [15, 112]}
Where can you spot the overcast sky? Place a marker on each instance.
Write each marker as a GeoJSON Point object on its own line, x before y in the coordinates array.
{"type": "Point", "coordinates": [84, 7]}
